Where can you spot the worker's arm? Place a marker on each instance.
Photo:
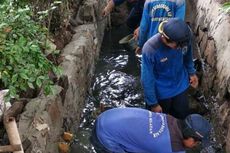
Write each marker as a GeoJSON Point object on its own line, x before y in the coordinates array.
{"type": "Point", "coordinates": [189, 65]}
{"type": "Point", "coordinates": [144, 26]}
{"type": "Point", "coordinates": [110, 5]}
{"type": "Point", "coordinates": [148, 79]}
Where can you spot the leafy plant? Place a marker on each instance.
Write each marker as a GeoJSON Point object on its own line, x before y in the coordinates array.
{"type": "Point", "coordinates": [226, 6]}
{"type": "Point", "coordinates": [23, 65]}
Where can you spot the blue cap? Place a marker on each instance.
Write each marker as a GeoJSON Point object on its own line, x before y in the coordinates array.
{"type": "Point", "coordinates": [176, 30]}
{"type": "Point", "coordinates": [200, 126]}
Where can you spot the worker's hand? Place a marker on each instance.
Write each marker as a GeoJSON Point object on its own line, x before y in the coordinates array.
{"type": "Point", "coordinates": [156, 109]}
{"type": "Point", "coordinates": [136, 33]}
{"type": "Point", "coordinates": [109, 7]}
{"type": "Point", "coordinates": [106, 11]}
{"type": "Point", "coordinates": [193, 80]}
{"type": "Point", "coordinates": [138, 51]}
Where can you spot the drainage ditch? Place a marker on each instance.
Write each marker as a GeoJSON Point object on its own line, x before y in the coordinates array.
{"type": "Point", "coordinates": [116, 83]}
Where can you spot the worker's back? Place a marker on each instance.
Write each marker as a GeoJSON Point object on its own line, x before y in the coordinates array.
{"type": "Point", "coordinates": [134, 130]}
{"type": "Point", "coordinates": [156, 11]}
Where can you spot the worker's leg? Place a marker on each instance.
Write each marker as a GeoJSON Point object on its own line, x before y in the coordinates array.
{"type": "Point", "coordinates": [166, 105]}
{"type": "Point", "coordinates": [180, 105]}
{"type": "Point", "coordinates": [134, 18]}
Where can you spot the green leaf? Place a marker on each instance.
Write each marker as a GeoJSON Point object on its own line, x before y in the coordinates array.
{"type": "Point", "coordinates": [42, 77]}
{"type": "Point", "coordinates": [226, 6]}
{"type": "Point", "coordinates": [12, 92]}
{"type": "Point", "coordinates": [58, 71]}
{"type": "Point", "coordinates": [16, 17]}
{"type": "Point", "coordinates": [15, 36]}
{"type": "Point", "coordinates": [9, 67]}
{"type": "Point", "coordinates": [24, 76]}
{"type": "Point", "coordinates": [23, 86]}
{"type": "Point", "coordinates": [30, 85]}
{"type": "Point", "coordinates": [14, 78]}
{"type": "Point", "coordinates": [39, 82]}
{"type": "Point", "coordinates": [32, 79]}
{"type": "Point", "coordinates": [22, 41]}
{"type": "Point", "coordinates": [57, 2]}
{"type": "Point", "coordinates": [2, 25]}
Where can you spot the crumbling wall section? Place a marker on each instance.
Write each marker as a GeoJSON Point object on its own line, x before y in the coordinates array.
{"type": "Point", "coordinates": [46, 118]}
{"type": "Point", "coordinates": [212, 28]}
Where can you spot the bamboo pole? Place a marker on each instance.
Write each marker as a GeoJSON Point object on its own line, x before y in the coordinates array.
{"type": "Point", "coordinates": [12, 132]}
{"type": "Point", "coordinates": [10, 148]}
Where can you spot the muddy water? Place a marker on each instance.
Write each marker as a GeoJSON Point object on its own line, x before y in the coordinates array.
{"type": "Point", "coordinates": [116, 83]}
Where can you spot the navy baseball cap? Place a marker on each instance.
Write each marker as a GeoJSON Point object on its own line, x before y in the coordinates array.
{"type": "Point", "coordinates": [201, 128]}
{"type": "Point", "coordinates": [176, 30]}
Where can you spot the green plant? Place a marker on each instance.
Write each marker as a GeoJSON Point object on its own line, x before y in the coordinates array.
{"type": "Point", "coordinates": [226, 6]}
{"type": "Point", "coordinates": [23, 65]}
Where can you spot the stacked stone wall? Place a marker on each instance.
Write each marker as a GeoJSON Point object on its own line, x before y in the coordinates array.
{"type": "Point", "coordinates": [211, 26]}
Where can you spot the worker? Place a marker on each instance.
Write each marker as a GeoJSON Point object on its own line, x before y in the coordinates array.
{"type": "Point", "coordinates": [167, 69]}
{"type": "Point", "coordinates": [154, 12]}
{"type": "Point", "coordinates": [136, 130]}
{"type": "Point", "coordinates": [135, 14]}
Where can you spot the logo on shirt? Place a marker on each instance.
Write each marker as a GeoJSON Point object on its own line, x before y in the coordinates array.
{"type": "Point", "coordinates": [163, 60]}
{"type": "Point", "coordinates": [184, 50]}
{"type": "Point", "coordinates": [158, 9]}
{"type": "Point", "coordinates": [161, 130]}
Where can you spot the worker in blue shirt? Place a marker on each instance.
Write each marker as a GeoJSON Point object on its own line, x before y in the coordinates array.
{"type": "Point", "coordinates": [135, 14]}
{"type": "Point", "coordinates": [136, 130]}
{"type": "Point", "coordinates": [154, 12]}
{"type": "Point", "coordinates": [168, 69]}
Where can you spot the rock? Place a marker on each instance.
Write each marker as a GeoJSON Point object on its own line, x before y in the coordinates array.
{"type": "Point", "coordinates": [63, 147]}
{"type": "Point", "coordinates": [210, 53]}
{"type": "Point", "coordinates": [67, 136]}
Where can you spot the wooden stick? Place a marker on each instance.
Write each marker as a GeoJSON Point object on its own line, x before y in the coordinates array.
{"type": "Point", "coordinates": [12, 132]}
{"type": "Point", "coordinates": [10, 148]}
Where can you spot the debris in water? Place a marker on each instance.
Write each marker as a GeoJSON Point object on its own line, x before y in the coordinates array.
{"type": "Point", "coordinates": [63, 147]}
{"type": "Point", "coordinates": [67, 136]}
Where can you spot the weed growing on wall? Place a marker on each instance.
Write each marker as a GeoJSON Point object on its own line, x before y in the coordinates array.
{"type": "Point", "coordinates": [23, 65]}
{"type": "Point", "coordinates": [226, 6]}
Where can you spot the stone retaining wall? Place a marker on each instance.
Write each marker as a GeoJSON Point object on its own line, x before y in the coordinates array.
{"type": "Point", "coordinates": [46, 118]}
{"type": "Point", "coordinates": [212, 28]}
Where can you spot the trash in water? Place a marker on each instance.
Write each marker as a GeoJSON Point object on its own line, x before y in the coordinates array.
{"type": "Point", "coordinates": [130, 41]}
{"type": "Point", "coordinates": [67, 136]}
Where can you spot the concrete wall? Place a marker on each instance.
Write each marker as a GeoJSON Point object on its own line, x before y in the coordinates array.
{"type": "Point", "coordinates": [46, 118]}
{"type": "Point", "coordinates": [212, 28]}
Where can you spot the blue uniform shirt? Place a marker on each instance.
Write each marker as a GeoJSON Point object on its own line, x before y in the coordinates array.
{"type": "Point", "coordinates": [165, 71]}
{"type": "Point", "coordinates": [134, 130]}
{"type": "Point", "coordinates": [156, 11]}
